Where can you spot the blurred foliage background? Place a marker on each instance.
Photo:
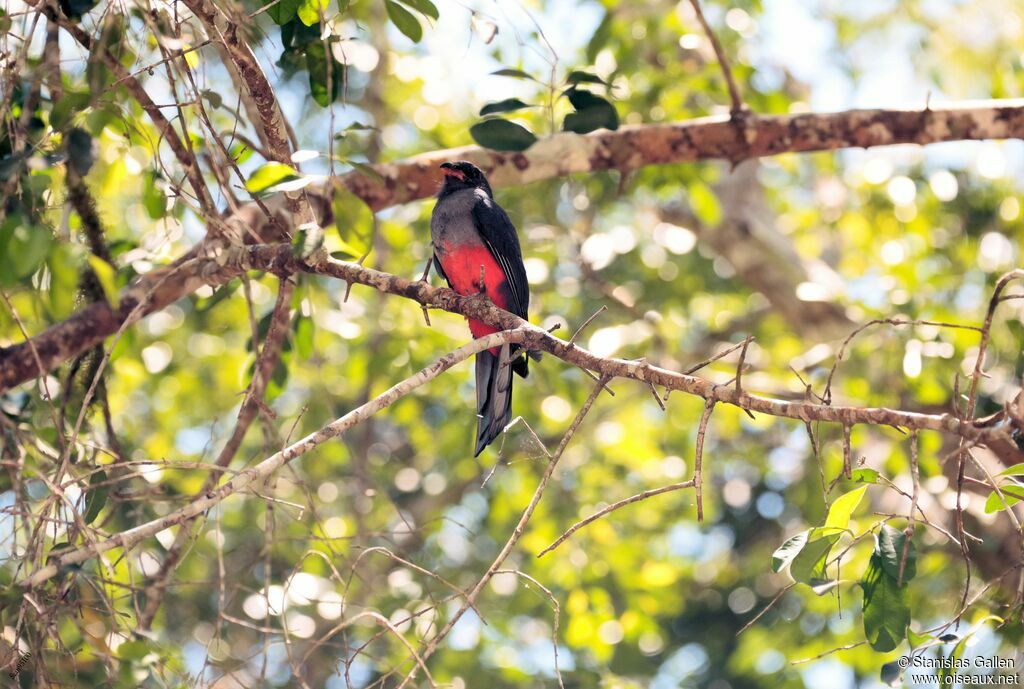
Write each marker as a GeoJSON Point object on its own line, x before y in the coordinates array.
{"type": "Point", "coordinates": [796, 250]}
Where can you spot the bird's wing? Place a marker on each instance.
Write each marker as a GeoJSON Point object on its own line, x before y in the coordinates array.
{"type": "Point", "coordinates": [500, 238]}
{"type": "Point", "coordinates": [440, 270]}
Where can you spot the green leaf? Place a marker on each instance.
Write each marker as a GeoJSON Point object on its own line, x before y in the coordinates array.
{"type": "Point", "coordinates": [889, 548]}
{"type": "Point", "coordinates": [1011, 496]}
{"type": "Point", "coordinates": [865, 476]}
{"type": "Point", "coordinates": [67, 106]}
{"type": "Point", "coordinates": [592, 112]}
{"type": "Point", "coordinates": [153, 198]}
{"type": "Point", "coordinates": [514, 73]}
{"type": "Point", "coordinates": [204, 304]}
{"type": "Point", "coordinates": [354, 222]}
{"type": "Point", "coordinates": [27, 247]}
{"type": "Point", "coordinates": [916, 639]}
{"type": "Point", "coordinates": [278, 379]}
{"type": "Point", "coordinates": [107, 276]}
{"type": "Point", "coordinates": [886, 610]}
{"type": "Point", "coordinates": [785, 553]}
{"type": "Point", "coordinates": [406, 22]}
{"type": "Point", "coordinates": [578, 77]}
{"type": "Point", "coordinates": [704, 203]}
{"type": "Point", "coordinates": [366, 171]}
{"type": "Point", "coordinates": [304, 336]}
{"type": "Point", "coordinates": [425, 7]}
{"type": "Point", "coordinates": [360, 127]}
{"type": "Point", "coordinates": [64, 262]}
{"type": "Point", "coordinates": [823, 586]}
{"type": "Point", "coordinates": [307, 239]}
{"type": "Point", "coordinates": [809, 563]}
{"type": "Point", "coordinates": [310, 11]}
{"type": "Point", "coordinates": [96, 498]}
{"type": "Point", "coordinates": [323, 68]}
{"type": "Point", "coordinates": [240, 153]}
{"type": "Point", "coordinates": [295, 36]}
{"type": "Point", "coordinates": [507, 105]}
{"type": "Point", "coordinates": [501, 135]}
{"type": "Point", "coordinates": [284, 11]}
{"type": "Point", "coordinates": [1015, 470]}
{"type": "Point", "coordinates": [842, 509]}
{"type": "Point", "coordinates": [133, 650]}
{"type": "Point", "coordinates": [268, 175]}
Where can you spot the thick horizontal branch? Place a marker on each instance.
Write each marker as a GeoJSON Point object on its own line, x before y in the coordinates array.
{"type": "Point", "coordinates": [710, 138]}
{"type": "Point", "coordinates": [628, 148]}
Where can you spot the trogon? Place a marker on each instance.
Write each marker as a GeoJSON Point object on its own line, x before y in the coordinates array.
{"type": "Point", "coordinates": [476, 249]}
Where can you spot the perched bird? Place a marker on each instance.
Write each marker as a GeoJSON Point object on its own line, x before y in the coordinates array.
{"type": "Point", "coordinates": [476, 249]}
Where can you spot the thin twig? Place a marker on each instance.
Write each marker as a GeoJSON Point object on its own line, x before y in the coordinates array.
{"type": "Point", "coordinates": [611, 508]}
{"type": "Point", "coordinates": [734, 93]}
{"type": "Point", "coordinates": [520, 528]}
{"type": "Point", "coordinates": [258, 472]}
{"type": "Point", "coordinates": [911, 517]}
{"type": "Point", "coordinates": [720, 355]}
{"type": "Point", "coordinates": [572, 340]}
{"type": "Point", "coordinates": [557, 614]}
{"type": "Point", "coordinates": [698, 462]}
{"type": "Point", "coordinates": [771, 604]}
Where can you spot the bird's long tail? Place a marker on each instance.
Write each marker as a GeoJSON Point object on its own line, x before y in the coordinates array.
{"type": "Point", "coordinates": [493, 395]}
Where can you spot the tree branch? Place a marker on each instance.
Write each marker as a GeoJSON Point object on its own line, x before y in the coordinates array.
{"type": "Point", "coordinates": [707, 138]}
{"type": "Point", "coordinates": [268, 466]}
{"type": "Point", "coordinates": [280, 260]}
{"type": "Point", "coordinates": [628, 148]}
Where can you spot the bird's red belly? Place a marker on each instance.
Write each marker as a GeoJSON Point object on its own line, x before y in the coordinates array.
{"type": "Point", "coordinates": [463, 266]}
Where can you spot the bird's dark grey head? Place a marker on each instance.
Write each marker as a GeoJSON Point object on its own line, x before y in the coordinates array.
{"type": "Point", "coordinates": [462, 175]}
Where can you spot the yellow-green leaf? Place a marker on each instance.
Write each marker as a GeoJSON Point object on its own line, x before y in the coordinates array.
{"type": "Point", "coordinates": [310, 11]}
{"type": "Point", "coordinates": [268, 175]}
{"type": "Point", "coordinates": [842, 509]}
{"type": "Point", "coordinates": [107, 276]}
